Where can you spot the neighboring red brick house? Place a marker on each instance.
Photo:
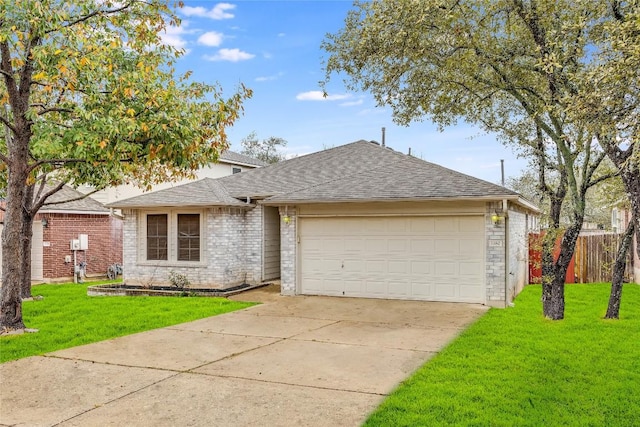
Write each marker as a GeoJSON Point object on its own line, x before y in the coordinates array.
{"type": "Point", "coordinates": [56, 226]}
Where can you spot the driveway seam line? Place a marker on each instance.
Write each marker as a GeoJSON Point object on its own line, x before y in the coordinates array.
{"type": "Point", "coordinates": [365, 345]}
{"type": "Point", "coordinates": [116, 399]}
{"type": "Point", "coordinates": [286, 383]}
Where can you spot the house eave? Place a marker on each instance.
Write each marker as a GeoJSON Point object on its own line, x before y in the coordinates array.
{"type": "Point", "coordinates": [115, 205]}
{"type": "Point", "coordinates": [73, 212]}
{"type": "Point", "coordinates": [510, 197]}
{"type": "Point", "coordinates": [231, 162]}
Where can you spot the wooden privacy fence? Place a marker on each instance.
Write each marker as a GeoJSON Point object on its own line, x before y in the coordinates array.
{"type": "Point", "coordinates": [592, 261]}
{"type": "Point", "coordinates": [595, 255]}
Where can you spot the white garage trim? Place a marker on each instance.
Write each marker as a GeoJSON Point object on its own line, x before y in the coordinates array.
{"type": "Point", "coordinates": [37, 252]}
{"type": "Point", "coordinates": [428, 257]}
{"type": "Point", "coordinates": [37, 270]}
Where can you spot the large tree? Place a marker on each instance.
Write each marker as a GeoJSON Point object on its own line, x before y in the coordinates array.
{"type": "Point", "coordinates": [509, 66]}
{"type": "Point", "coordinates": [267, 150]}
{"type": "Point", "coordinates": [609, 104]}
{"type": "Point", "coordinates": [89, 96]}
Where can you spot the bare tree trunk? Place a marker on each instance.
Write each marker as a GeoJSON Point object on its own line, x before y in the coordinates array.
{"type": "Point", "coordinates": [26, 241]}
{"type": "Point", "coordinates": [613, 309]}
{"type": "Point", "coordinates": [553, 307]}
{"type": "Point", "coordinates": [10, 297]}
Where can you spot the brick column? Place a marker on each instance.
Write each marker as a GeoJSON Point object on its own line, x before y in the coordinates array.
{"type": "Point", "coordinates": [288, 250]}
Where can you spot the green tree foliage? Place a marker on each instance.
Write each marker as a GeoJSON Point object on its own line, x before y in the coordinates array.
{"type": "Point", "coordinates": [267, 150]}
{"type": "Point", "coordinates": [89, 96]}
{"type": "Point", "coordinates": [513, 67]}
{"type": "Point", "coordinates": [600, 199]}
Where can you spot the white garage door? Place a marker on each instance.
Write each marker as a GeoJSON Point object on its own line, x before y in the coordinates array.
{"type": "Point", "coordinates": [421, 258]}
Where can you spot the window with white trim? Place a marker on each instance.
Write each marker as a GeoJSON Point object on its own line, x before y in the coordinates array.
{"type": "Point", "coordinates": [174, 236]}
{"type": "Point", "coordinates": [157, 237]}
{"type": "Point", "coordinates": [188, 237]}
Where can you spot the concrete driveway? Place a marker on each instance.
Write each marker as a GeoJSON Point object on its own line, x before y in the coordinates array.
{"type": "Point", "coordinates": [292, 361]}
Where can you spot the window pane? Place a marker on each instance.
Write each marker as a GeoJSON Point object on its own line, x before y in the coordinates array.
{"type": "Point", "coordinates": [188, 237]}
{"type": "Point", "coordinates": [157, 237]}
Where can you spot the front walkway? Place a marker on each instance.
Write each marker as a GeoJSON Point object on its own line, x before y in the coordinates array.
{"type": "Point", "coordinates": [292, 361]}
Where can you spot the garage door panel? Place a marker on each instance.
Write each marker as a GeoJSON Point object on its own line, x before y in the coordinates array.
{"type": "Point", "coordinates": [445, 291]}
{"type": "Point", "coordinates": [354, 244]}
{"type": "Point", "coordinates": [398, 225]}
{"type": "Point", "coordinates": [376, 266]}
{"type": "Point", "coordinates": [471, 224]}
{"type": "Point", "coordinates": [424, 258]}
{"type": "Point", "coordinates": [422, 246]}
{"type": "Point", "coordinates": [470, 269]}
{"type": "Point", "coordinates": [377, 246]}
{"type": "Point", "coordinates": [446, 225]}
{"type": "Point", "coordinates": [332, 245]}
{"type": "Point", "coordinates": [398, 267]}
{"type": "Point", "coordinates": [446, 269]}
{"type": "Point", "coordinates": [421, 290]}
{"type": "Point", "coordinates": [312, 265]}
{"type": "Point", "coordinates": [471, 247]}
{"type": "Point", "coordinates": [421, 267]}
{"type": "Point", "coordinates": [313, 244]}
{"type": "Point", "coordinates": [354, 266]}
{"type": "Point", "coordinates": [354, 287]}
{"type": "Point", "coordinates": [399, 289]}
{"type": "Point", "coordinates": [422, 225]}
{"type": "Point", "coordinates": [376, 288]}
{"type": "Point", "coordinates": [398, 246]}
{"type": "Point", "coordinates": [447, 247]}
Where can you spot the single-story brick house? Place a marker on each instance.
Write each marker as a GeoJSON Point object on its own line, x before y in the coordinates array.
{"type": "Point", "coordinates": [55, 226]}
{"type": "Point", "coordinates": [358, 220]}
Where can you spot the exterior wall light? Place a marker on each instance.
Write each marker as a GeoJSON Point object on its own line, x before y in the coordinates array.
{"type": "Point", "coordinates": [45, 222]}
{"type": "Point", "coordinates": [286, 219]}
{"type": "Point", "coordinates": [495, 218]}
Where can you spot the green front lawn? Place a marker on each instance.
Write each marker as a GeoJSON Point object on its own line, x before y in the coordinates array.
{"type": "Point", "coordinates": [515, 368]}
{"type": "Point", "coordinates": [67, 317]}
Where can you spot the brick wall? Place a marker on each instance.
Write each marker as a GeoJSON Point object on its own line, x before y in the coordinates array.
{"type": "Point", "coordinates": [232, 252]}
{"type": "Point", "coordinates": [105, 243]}
{"type": "Point", "coordinates": [495, 258]}
{"type": "Point", "coordinates": [288, 252]}
{"type": "Point", "coordinates": [253, 240]}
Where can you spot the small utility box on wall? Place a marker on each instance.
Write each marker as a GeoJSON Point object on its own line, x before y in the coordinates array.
{"type": "Point", "coordinates": [81, 243]}
{"type": "Point", "coordinates": [84, 241]}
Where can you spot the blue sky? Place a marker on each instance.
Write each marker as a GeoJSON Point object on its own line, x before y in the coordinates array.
{"type": "Point", "coordinates": [273, 47]}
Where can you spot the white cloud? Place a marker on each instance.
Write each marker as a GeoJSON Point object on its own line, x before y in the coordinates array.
{"type": "Point", "coordinates": [231, 55]}
{"type": "Point", "coordinates": [173, 35]}
{"type": "Point", "coordinates": [211, 38]}
{"type": "Point", "coordinates": [352, 103]}
{"type": "Point", "coordinates": [217, 12]}
{"type": "Point", "coordinates": [269, 78]}
{"type": "Point", "coordinates": [371, 111]}
{"type": "Point", "coordinates": [318, 95]}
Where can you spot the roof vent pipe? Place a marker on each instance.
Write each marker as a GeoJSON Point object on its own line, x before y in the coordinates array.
{"type": "Point", "coordinates": [502, 170]}
{"type": "Point", "coordinates": [383, 143]}
{"type": "Point", "coordinates": [409, 150]}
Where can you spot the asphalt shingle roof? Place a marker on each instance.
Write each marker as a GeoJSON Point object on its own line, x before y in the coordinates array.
{"type": "Point", "coordinates": [358, 171]}
{"type": "Point", "coordinates": [237, 158]}
{"type": "Point", "coordinates": [405, 178]}
{"type": "Point", "coordinates": [310, 170]}
{"type": "Point", "coordinates": [86, 204]}
{"type": "Point", "coordinates": [204, 192]}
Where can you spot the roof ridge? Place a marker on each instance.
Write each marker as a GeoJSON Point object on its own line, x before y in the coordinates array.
{"type": "Point", "coordinates": [343, 177]}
